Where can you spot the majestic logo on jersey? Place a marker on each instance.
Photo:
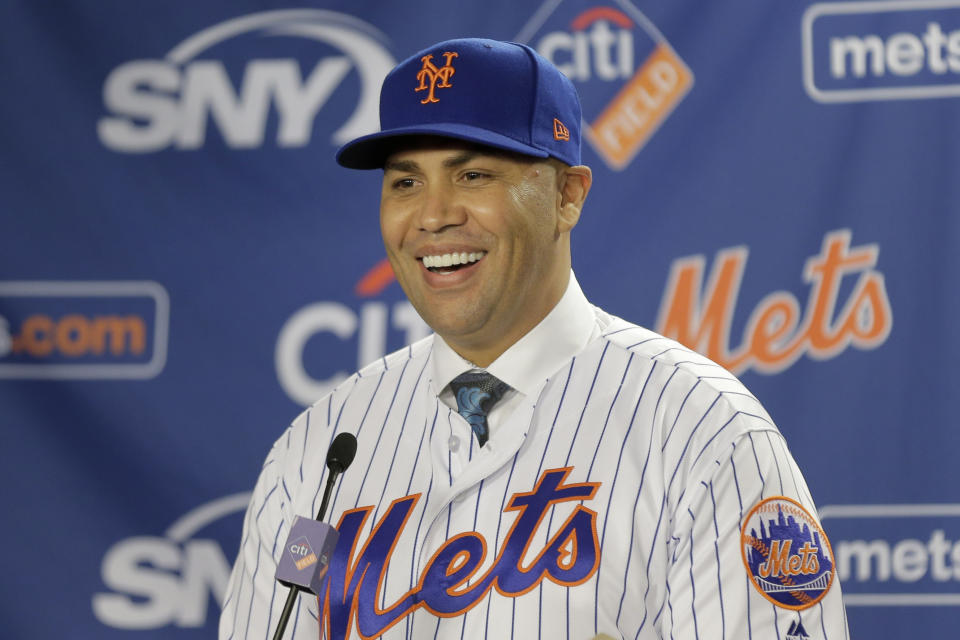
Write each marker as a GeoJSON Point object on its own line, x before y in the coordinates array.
{"type": "Point", "coordinates": [786, 553]}
{"type": "Point", "coordinates": [448, 585]}
{"type": "Point", "coordinates": [430, 73]}
{"type": "Point", "coordinates": [779, 331]}
{"type": "Point", "coordinates": [796, 631]}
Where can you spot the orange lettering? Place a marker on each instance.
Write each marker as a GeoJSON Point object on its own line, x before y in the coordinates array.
{"type": "Point", "coordinates": [777, 334]}
{"type": "Point", "coordinates": [430, 72]}
{"type": "Point", "coordinates": [36, 336]}
{"type": "Point", "coordinates": [72, 335]}
{"type": "Point", "coordinates": [75, 335]}
{"type": "Point", "coordinates": [778, 561]}
{"type": "Point", "coordinates": [773, 322]}
{"type": "Point", "coordinates": [793, 565]}
{"type": "Point", "coordinates": [869, 320]}
{"type": "Point", "coordinates": [811, 564]}
{"type": "Point", "coordinates": [640, 107]}
{"type": "Point", "coordinates": [119, 329]}
{"type": "Point", "coordinates": [826, 271]}
{"type": "Point", "coordinates": [681, 318]}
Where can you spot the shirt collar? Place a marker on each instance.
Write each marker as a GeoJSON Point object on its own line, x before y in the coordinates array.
{"type": "Point", "coordinates": [562, 334]}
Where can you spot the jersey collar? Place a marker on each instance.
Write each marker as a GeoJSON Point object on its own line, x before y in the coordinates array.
{"type": "Point", "coordinates": [562, 334]}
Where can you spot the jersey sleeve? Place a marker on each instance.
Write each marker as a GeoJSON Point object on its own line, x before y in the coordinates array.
{"type": "Point", "coordinates": [748, 558]}
{"type": "Point", "coordinates": [254, 599]}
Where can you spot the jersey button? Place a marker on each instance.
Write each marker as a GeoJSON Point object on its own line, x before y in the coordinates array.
{"type": "Point", "coordinates": [453, 443]}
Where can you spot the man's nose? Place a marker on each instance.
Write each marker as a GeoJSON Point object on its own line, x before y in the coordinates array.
{"type": "Point", "coordinates": [440, 209]}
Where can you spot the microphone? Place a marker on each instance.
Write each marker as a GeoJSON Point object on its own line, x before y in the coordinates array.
{"type": "Point", "coordinates": [306, 555]}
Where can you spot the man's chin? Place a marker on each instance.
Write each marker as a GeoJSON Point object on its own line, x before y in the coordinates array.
{"type": "Point", "coordinates": [455, 329]}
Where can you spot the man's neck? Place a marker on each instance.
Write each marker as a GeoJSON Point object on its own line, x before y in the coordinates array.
{"type": "Point", "coordinates": [485, 349]}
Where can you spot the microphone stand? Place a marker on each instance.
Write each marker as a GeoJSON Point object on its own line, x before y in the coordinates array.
{"type": "Point", "coordinates": [335, 470]}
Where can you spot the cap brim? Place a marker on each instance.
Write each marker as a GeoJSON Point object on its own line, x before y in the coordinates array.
{"type": "Point", "coordinates": [372, 151]}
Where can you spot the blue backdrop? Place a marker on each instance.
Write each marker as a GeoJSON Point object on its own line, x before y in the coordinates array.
{"type": "Point", "coordinates": [184, 267]}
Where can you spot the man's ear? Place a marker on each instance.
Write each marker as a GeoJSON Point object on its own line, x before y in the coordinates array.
{"type": "Point", "coordinates": [574, 185]}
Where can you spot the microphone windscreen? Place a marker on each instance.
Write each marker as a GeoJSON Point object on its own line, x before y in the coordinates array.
{"type": "Point", "coordinates": [341, 452]}
{"type": "Point", "coordinates": [306, 556]}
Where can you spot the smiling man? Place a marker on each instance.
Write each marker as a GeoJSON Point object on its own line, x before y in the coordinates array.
{"type": "Point", "coordinates": [537, 467]}
{"type": "Point", "coordinates": [479, 239]}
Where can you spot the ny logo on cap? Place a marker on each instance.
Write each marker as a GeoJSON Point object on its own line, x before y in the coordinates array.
{"type": "Point", "coordinates": [431, 72]}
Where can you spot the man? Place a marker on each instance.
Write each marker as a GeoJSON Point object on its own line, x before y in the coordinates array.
{"type": "Point", "coordinates": [537, 468]}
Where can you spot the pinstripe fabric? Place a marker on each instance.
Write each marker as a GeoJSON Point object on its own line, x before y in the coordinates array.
{"type": "Point", "coordinates": [680, 452]}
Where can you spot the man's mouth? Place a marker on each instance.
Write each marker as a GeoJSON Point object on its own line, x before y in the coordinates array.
{"type": "Point", "coordinates": [450, 262]}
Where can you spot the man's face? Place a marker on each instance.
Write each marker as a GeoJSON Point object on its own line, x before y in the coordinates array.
{"type": "Point", "coordinates": [477, 240]}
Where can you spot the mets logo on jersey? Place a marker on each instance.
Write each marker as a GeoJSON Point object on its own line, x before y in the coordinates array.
{"type": "Point", "coordinates": [429, 74]}
{"type": "Point", "coordinates": [786, 553]}
{"type": "Point", "coordinates": [453, 580]}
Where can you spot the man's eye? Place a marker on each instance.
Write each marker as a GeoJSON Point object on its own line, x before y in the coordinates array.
{"type": "Point", "coordinates": [473, 175]}
{"type": "Point", "coordinates": [404, 183]}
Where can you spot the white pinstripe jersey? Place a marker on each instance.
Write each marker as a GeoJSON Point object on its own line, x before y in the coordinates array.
{"type": "Point", "coordinates": [610, 502]}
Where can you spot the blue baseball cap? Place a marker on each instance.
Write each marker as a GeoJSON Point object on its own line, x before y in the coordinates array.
{"type": "Point", "coordinates": [498, 94]}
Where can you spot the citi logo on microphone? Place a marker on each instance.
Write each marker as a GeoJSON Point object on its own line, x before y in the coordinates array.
{"type": "Point", "coordinates": [303, 556]}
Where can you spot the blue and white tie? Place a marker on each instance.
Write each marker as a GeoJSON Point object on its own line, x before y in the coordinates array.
{"type": "Point", "coordinates": [476, 393]}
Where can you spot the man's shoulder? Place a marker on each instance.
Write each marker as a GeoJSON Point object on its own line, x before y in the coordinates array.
{"type": "Point", "coordinates": [365, 381]}
{"type": "Point", "coordinates": [373, 373]}
{"type": "Point", "coordinates": [649, 345]}
{"type": "Point", "coordinates": [712, 382]}
{"type": "Point", "coordinates": [419, 350]}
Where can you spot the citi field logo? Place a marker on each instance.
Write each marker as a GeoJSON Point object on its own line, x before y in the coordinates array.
{"type": "Point", "coordinates": [897, 555]}
{"type": "Point", "coordinates": [778, 332]}
{"type": "Point", "coordinates": [159, 581]}
{"type": "Point", "coordinates": [302, 553]}
{"type": "Point", "coordinates": [167, 103]}
{"type": "Point", "coordinates": [82, 330]}
{"type": "Point", "coordinates": [860, 51]}
{"type": "Point", "coordinates": [323, 341]}
{"type": "Point", "coordinates": [629, 77]}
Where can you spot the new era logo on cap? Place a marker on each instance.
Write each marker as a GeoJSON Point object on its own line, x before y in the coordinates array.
{"type": "Point", "coordinates": [505, 95]}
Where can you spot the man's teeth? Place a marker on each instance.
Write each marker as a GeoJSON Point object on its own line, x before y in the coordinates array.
{"type": "Point", "coordinates": [451, 259]}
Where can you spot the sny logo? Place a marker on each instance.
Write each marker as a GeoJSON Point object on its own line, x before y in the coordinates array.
{"type": "Point", "coordinates": [173, 101]}
{"type": "Point", "coordinates": [430, 72]}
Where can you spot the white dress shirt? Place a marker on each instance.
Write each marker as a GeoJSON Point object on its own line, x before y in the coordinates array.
{"type": "Point", "coordinates": [563, 333]}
